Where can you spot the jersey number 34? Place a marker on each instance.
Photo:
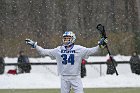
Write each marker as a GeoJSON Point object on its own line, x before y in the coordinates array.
{"type": "Point", "coordinates": [68, 59]}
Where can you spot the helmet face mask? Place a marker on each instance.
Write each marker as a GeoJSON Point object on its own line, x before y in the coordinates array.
{"type": "Point", "coordinates": [68, 38]}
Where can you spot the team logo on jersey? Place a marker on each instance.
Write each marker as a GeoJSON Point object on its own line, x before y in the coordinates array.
{"type": "Point", "coordinates": [67, 51]}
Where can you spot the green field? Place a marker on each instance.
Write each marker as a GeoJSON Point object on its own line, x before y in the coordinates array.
{"type": "Point", "coordinates": [87, 90]}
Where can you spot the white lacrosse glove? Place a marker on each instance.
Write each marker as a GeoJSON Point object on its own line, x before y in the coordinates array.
{"type": "Point", "coordinates": [103, 42]}
{"type": "Point", "coordinates": [31, 43]}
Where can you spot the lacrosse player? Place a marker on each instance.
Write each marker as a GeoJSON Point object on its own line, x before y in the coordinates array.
{"type": "Point", "coordinates": [69, 57]}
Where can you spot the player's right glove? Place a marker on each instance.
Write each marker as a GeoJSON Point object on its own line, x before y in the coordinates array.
{"type": "Point", "coordinates": [103, 42]}
{"type": "Point", "coordinates": [31, 43]}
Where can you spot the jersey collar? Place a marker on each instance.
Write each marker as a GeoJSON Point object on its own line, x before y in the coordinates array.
{"type": "Point", "coordinates": [69, 47]}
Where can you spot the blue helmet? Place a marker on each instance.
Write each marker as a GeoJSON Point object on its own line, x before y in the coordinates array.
{"type": "Point", "coordinates": [71, 36]}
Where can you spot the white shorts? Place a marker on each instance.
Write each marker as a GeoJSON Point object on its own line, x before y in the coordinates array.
{"type": "Point", "coordinates": [71, 82]}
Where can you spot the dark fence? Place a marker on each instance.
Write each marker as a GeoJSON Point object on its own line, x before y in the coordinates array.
{"type": "Point", "coordinates": [52, 63]}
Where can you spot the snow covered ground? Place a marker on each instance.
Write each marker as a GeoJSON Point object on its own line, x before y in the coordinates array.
{"type": "Point", "coordinates": [46, 76]}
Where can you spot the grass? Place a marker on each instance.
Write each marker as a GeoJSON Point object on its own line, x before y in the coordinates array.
{"type": "Point", "coordinates": [87, 90]}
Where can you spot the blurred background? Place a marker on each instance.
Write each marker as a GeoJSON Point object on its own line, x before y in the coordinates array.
{"type": "Point", "coordinates": [45, 21]}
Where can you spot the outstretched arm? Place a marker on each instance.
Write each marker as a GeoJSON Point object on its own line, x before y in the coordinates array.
{"type": "Point", "coordinates": [101, 44]}
{"type": "Point", "coordinates": [40, 50]}
{"type": "Point", "coordinates": [95, 50]}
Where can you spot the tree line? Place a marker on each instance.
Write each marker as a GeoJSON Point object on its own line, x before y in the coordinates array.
{"type": "Point", "coordinates": [45, 21]}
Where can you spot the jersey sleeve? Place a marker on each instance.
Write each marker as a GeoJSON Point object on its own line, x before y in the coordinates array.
{"type": "Point", "coordinates": [46, 52]}
{"type": "Point", "coordinates": [90, 51]}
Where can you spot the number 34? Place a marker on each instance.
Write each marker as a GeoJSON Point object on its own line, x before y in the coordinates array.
{"type": "Point", "coordinates": [68, 59]}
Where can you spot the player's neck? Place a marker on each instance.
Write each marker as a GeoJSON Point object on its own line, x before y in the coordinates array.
{"type": "Point", "coordinates": [69, 47]}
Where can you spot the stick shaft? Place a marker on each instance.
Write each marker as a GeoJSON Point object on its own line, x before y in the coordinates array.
{"type": "Point", "coordinates": [112, 60]}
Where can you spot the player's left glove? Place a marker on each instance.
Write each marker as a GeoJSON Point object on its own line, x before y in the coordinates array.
{"type": "Point", "coordinates": [102, 43]}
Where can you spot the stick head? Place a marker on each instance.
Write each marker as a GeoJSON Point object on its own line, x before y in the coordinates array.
{"type": "Point", "coordinates": [101, 29]}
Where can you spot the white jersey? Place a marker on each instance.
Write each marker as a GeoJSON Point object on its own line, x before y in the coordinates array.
{"type": "Point", "coordinates": [68, 60]}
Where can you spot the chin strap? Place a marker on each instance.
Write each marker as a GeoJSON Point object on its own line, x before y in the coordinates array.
{"type": "Point", "coordinates": [69, 47]}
